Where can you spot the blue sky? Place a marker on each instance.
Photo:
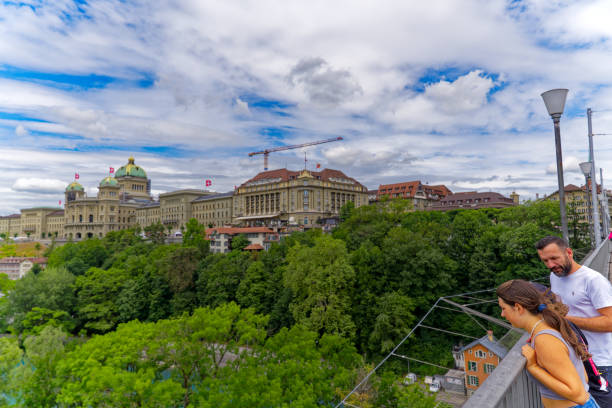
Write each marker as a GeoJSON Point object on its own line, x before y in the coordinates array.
{"type": "Point", "coordinates": [445, 92]}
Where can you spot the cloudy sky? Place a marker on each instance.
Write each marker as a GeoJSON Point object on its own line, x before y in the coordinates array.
{"type": "Point", "coordinates": [446, 92]}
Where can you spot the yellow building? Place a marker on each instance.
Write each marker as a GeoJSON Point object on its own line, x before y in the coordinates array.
{"type": "Point", "coordinates": [114, 207]}
{"type": "Point", "coordinates": [271, 198]}
{"type": "Point", "coordinates": [40, 222]}
{"type": "Point", "coordinates": [10, 225]}
{"type": "Point", "coordinates": [176, 207]}
{"type": "Point", "coordinates": [578, 201]}
{"type": "Point", "coordinates": [282, 196]}
{"type": "Point", "coordinates": [214, 210]}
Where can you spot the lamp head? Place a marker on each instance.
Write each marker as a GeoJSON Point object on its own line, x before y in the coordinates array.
{"type": "Point", "coordinates": [555, 101]}
{"type": "Point", "coordinates": [586, 168]}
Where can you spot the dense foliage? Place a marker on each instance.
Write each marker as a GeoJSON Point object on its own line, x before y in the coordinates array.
{"type": "Point", "coordinates": [122, 321]}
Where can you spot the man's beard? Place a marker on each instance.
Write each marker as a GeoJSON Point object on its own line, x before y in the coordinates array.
{"type": "Point", "coordinates": [565, 269]}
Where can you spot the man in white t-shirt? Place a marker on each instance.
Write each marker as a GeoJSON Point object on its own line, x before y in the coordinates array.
{"type": "Point", "coordinates": [587, 293]}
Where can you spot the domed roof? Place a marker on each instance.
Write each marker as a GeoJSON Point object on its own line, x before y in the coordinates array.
{"type": "Point", "coordinates": [74, 186]}
{"type": "Point", "coordinates": [109, 182]}
{"type": "Point", "coordinates": [131, 169]}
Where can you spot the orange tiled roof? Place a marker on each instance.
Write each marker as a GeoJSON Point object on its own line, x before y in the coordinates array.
{"type": "Point", "coordinates": [253, 247]}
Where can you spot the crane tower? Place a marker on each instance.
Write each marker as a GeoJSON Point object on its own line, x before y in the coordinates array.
{"type": "Point", "coordinates": [266, 152]}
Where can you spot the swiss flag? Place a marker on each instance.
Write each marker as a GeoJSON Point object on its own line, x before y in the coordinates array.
{"type": "Point", "coordinates": [76, 176]}
{"type": "Point", "coordinates": [318, 165]}
{"type": "Point", "coordinates": [60, 202]}
{"type": "Point", "coordinates": [208, 183]}
{"type": "Point", "coordinates": [111, 170]}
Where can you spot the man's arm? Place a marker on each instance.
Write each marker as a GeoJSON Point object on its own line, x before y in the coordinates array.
{"type": "Point", "coordinates": [601, 323]}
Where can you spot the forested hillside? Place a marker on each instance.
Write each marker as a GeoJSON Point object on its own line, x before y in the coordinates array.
{"type": "Point", "coordinates": [155, 325]}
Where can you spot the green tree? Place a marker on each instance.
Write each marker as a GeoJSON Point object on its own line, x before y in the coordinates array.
{"type": "Point", "coordinates": [117, 369]}
{"type": "Point", "coordinates": [156, 233]}
{"type": "Point", "coordinates": [51, 289]}
{"type": "Point", "coordinates": [415, 268]}
{"type": "Point", "coordinates": [392, 323]}
{"type": "Point", "coordinates": [321, 279]}
{"type": "Point", "coordinates": [6, 285]}
{"type": "Point", "coordinates": [10, 357]}
{"type": "Point", "coordinates": [220, 276]}
{"type": "Point", "coordinates": [346, 211]}
{"type": "Point", "coordinates": [195, 236]}
{"type": "Point", "coordinates": [295, 368]}
{"type": "Point", "coordinates": [239, 242]}
{"type": "Point", "coordinates": [37, 319]}
{"type": "Point", "coordinates": [36, 377]}
{"type": "Point", "coordinates": [196, 347]}
{"type": "Point", "coordinates": [180, 269]}
{"type": "Point", "coordinates": [97, 291]}
{"type": "Point", "coordinates": [79, 257]}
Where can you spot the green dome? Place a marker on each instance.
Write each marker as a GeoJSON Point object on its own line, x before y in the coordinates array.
{"type": "Point", "coordinates": [131, 169]}
{"type": "Point", "coordinates": [109, 182]}
{"type": "Point", "coordinates": [74, 186]}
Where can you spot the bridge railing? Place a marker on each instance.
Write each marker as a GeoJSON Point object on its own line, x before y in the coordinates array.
{"type": "Point", "coordinates": [508, 385]}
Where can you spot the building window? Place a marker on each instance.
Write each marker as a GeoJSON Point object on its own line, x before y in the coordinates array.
{"type": "Point", "coordinates": [472, 380]}
{"type": "Point", "coordinates": [472, 366]}
{"type": "Point", "coordinates": [480, 354]}
{"type": "Point", "coordinates": [488, 368]}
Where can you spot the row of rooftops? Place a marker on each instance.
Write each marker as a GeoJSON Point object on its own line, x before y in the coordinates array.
{"type": "Point", "coordinates": [411, 189]}
{"type": "Point", "coordinates": [20, 259]}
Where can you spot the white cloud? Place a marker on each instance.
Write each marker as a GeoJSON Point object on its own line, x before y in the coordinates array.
{"type": "Point", "coordinates": [466, 93]}
{"type": "Point", "coordinates": [323, 84]}
{"type": "Point", "coordinates": [344, 68]}
{"type": "Point", "coordinates": [570, 165]}
{"type": "Point", "coordinates": [21, 131]}
{"type": "Point", "coordinates": [39, 185]}
{"type": "Point", "coordinates": [242, 107]}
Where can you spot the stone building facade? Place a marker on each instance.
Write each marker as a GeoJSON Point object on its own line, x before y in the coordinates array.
{"type": "Point", "coordinates": [10, 225]}
{"type": "Point", "coordinates": [283, 196]}
{"type": "Point", "coordinates": [214, 210]}
{"type": "Point", "coordinates": [422, 195]}
{"type": "Point", "coordinates": [474, 200]}
{"type": "Point", "coordinates": [271, 198]}
{"type": "Point", "coordinates": [114, 208]}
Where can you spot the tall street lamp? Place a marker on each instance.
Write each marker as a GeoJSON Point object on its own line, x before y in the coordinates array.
{"type": "Point", "coordinates": [555, 102]}
{"type": "Point", "coordinates": [587, 168]}
{"type": "Point", "coordinates": [594, 200]}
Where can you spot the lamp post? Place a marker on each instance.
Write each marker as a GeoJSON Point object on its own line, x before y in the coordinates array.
{"type": "Point", "coordinates": [587, 168]}
{"type": "Point", "coordinates": [604, 207]}
{"type": "Point", "coordinates": [555, 102]}
{"type": "Point", "coordinates": [594, 200]}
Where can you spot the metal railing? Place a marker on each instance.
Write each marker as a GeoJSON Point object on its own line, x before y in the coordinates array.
{"type": "Point", "coordinates": [508, 385]}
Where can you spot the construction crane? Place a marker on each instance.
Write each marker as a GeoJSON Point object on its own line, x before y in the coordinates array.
{"type": "Point", "coordinates": [266, 152]}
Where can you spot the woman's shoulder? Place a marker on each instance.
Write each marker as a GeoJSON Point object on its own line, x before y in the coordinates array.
{"type": "Point", "coordinates": [550, 339]}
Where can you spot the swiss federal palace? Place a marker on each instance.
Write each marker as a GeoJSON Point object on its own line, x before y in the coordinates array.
{"type": "Point", "coordinates": [271, 198]}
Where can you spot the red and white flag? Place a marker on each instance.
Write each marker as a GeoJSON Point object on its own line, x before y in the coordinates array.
{"type": "Point", "coordinates": [318, 165]}
{"type": "Point", "coordinates": [111, 170]}
{"type": "Point", "coordinates": [208, 183]}
{"type": "Point", "coordinates": [60, 202]}
{"type": "Point", "coordinates": [76, 176]}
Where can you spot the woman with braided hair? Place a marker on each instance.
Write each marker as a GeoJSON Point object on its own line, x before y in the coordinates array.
{"type": "Point", "coordinates": [554, 354]}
